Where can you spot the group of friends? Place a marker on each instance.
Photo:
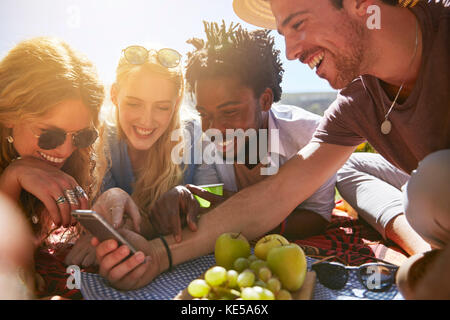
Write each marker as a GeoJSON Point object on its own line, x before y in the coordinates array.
{"type": "Point", "coordinates": [61, 151]}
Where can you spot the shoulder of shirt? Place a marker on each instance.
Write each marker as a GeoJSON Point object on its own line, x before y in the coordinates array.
{"type": "Point", "coordinates": [190, 123]}
{"type": "Point", "coordinates": [188, 116]}
{"type": "Point", "coordinates": [295, 124]}
{"type": "Point", "coordinates": [289, 113]}
{"type": "Point", "coordinates": [114, 145]}
{"type": "Point", "coordinates": [192, 129]}
{"type": "Point", "coordinates": [355, 92]}
{"type": "Point", "coordinates": [436, 11]}
{"type": "Point", "coordinates": [111, 134]}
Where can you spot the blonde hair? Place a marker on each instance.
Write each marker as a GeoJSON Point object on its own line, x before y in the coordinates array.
{"type": "Point", "coordinates": [35, 76]}
{"type": "Point", "coordinates": [159, 174]}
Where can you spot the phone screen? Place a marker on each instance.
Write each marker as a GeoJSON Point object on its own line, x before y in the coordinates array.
{"type": "Point", "coordinates": [100, 228]}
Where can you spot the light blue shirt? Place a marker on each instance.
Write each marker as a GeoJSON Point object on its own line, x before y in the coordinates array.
{"type": "Point", "coordinates": [296, 127]}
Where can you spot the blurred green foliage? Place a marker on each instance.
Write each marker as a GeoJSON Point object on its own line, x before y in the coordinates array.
{"type": "Point", "coordinates": [365, 147]}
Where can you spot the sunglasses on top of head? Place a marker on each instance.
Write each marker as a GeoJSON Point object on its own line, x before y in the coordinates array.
{"type": "Point", "coordinates": [53, 138]}
{"type": "Point", "coordinates": [166, 57]}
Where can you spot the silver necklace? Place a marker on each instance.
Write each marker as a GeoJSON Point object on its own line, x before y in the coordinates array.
{"type": "Point", "coordinates": [386, 126]}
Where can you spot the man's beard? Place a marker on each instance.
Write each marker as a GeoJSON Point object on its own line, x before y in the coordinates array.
{"type": "Point", "coordinates": [349, 64]}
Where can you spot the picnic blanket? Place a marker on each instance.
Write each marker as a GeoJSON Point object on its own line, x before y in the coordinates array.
{"type": "Point", "coordinates": [167, 285]}
{"type": "Point", "coordinates": [50, 265]}
{"type": "Point", "coordinates": [350, 238]}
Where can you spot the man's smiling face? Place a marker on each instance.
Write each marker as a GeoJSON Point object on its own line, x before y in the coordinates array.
{"type": "Point", "coordinates": [223, 103]}
{"type": "Point", "coordinates": [326, 38]}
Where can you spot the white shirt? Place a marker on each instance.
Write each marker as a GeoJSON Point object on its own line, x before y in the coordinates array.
{"type": "Point", "coordinates": [296, 127]}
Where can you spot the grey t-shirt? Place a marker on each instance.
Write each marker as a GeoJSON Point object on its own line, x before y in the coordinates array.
{"type": "Point", "coordinates": [421, 125]}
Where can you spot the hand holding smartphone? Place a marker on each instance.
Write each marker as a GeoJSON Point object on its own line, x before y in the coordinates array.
{"type": "Point", "coordinates": [100, 228]}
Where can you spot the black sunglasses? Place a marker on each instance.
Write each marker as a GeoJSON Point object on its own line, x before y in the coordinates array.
{"type": "Point", "coordinates": [167, 57]}
{"type": "Point", "coordinates": [375, 276]}
{"type": "Point", "coordinates": [52, 138]}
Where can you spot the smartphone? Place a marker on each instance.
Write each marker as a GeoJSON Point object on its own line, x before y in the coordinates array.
{"type": "Point", "coordinates": [100, 228]}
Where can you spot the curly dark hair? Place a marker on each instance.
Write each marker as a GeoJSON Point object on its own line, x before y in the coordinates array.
{"type": "Point", "coordinates": [236, 52]}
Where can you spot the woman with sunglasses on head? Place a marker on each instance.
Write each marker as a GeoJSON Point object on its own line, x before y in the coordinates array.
{"type": "Point", "coordinates": [50, 97]}
{"type": "Point", "coordinates": [143, 177]}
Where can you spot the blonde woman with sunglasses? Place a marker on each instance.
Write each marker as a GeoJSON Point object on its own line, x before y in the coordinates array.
{"type": "Point", "coordinates": [50, 97]}
{"type": "Point", "coordinates": [144, 185]}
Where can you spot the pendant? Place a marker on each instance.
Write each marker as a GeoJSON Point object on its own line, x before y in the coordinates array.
{"type": "Point", "coordinates": [386, 127]}
{"type": "Point", "coordinates": [35, 219]}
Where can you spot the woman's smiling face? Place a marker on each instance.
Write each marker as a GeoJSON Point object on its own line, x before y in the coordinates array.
{"type": "Point", "coordinates": [146, 103]}
{"type": "Point", "coordinates": [69, 116]}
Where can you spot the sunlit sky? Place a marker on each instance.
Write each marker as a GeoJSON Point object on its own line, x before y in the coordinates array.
{"type": "Point", "coordinates": [102, 28]}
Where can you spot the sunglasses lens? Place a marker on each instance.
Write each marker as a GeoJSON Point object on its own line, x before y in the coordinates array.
{"type": "Point", "coordinates": [51, 139]}
{"type": "Point", "coordinates": [85, 138]}
{"type": "Point", "coordinates": [169, 58]}
{"type": "Point", "coordinates": [377, 277]}
{"type": "Point", "coordinates": [136, 54]}
{"type": "Point", "coordinates": [331, 275]}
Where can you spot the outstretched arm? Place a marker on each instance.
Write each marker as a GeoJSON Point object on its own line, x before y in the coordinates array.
{"type": "Point", "coordinates": [253, 211]}
{"type": "Point", "coordinates": [261, 207]}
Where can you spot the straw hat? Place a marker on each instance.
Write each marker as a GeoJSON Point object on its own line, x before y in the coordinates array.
{"type": "Point", "coordinates": [259, 12]}
{"type": "Point", "coordinates": [256, 12]}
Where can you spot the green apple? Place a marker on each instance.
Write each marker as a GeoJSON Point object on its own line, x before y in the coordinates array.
{"type": "Point", "coordinates": [288, 262]}
{"type": "Point", "coordinates": [229, 247]}
{"type": "Point", "coordinates": [265, 244]}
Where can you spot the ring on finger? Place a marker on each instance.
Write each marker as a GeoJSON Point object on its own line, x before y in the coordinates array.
{"type": "Point", "coordinates": [79, 191]}
{"type": "Point", "coordinates": [60, 200]}
{"type": "Point", "coordinates": [71, 197]}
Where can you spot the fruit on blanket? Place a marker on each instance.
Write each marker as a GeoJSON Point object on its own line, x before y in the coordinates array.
{"type": "Point", "coordinates": [257, 293]}
{"type": "Point", "coordinates": [241, 264]}
{"type": "Point", "coordinates": [239, 275]}
{"type": "Point", "coordinates": [265, 244]}
{"type": "Point", "coordinates": [252, 258]}
{"type": "Point", "coordinates": [199, 288]}
{"type": "Point", "coordinates": [232, 276]}
{"type": "Point", "coordinates": [283, 295]}
{"type": "Point", "coordinates": [250, 293]}
{"type": "Point", "coordinates": [264, 274]}
{"type": "Point", "coordinates": [216, 276]}
{"type": "Point", "coordinates": [256, 265]}
{"type": "Point", "coordinates": [288, 262]}
{"type": "Point", "coordinates": [229, 247]}
{"type": "Point", "coordinates": [246, 279]}
{"type": "Point", "coordinates": [264, 294]}
{"type": "Point", "coordinates": [274, 285]}
{"type": "Point", "coordinates": [260, 283]}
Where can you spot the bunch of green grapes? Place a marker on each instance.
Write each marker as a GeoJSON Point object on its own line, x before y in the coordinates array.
{"type": "Point", "coordinates": [250, 279]}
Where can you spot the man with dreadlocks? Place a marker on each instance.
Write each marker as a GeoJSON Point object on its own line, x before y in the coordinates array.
{"type": "Point", "coordinates": [235, 77]}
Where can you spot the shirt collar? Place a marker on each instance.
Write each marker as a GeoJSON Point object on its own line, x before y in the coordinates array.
{"type": "Point", "coordinates": [273, 125]}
